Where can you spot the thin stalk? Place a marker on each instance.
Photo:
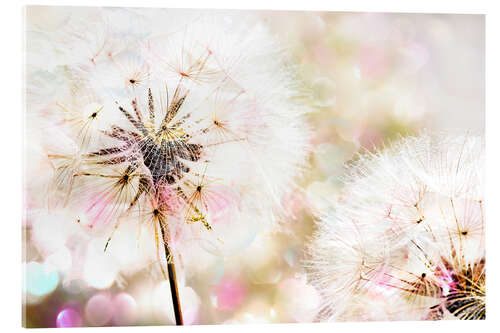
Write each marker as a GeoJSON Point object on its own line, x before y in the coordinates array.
{"type": "Point", "coordinates": [172, 278]}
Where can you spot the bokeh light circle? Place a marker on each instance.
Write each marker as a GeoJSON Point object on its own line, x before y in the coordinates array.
{"type": "Point", "coordinates": [69, 318]}
{"type": "Point", "coordinates": [162, 304]}
{"type": "Point", "coordinates": [229, 294]}
{"type": "Point", "coordinates": [125, 309]}
{"type": "Point", "coordinates": [60, 259]}
{"type": "Point", "coordinates": [99, 310]}
{"type": "Point", "coordinates": [40, 279]}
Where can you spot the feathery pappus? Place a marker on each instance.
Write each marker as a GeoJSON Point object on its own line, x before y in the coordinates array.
{"type": "Point", "coordinates": [405, 240]}
{"type": "Point", "coordinates": [194, 126]}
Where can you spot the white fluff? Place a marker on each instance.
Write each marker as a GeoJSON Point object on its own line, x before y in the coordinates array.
{"type": "Point", "coordinates": [242, 106]}
{"type": "Point", "coordinates": [407, 215]}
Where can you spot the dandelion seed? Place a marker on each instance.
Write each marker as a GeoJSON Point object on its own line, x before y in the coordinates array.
{"type": "Point", "coordinates": [196, 131]}
{"type": "Point", "coordinates": [406, 240]}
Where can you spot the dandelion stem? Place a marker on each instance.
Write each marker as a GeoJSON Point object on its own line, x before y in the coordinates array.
{"type": "Point", "coordinates": [172, 278]}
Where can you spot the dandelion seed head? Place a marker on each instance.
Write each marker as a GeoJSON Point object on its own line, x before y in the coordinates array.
{"type": "Point", "coordinates": [189, 124]}
{"type": "Point", "coordinates": [405, 240]}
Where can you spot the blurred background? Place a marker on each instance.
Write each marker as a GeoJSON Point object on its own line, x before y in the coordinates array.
{"type": "Point", "coordinates": [373, 77]}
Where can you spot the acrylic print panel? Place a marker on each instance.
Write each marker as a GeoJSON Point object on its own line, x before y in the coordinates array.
{"type": "Point", "coordinates": [229, 167]}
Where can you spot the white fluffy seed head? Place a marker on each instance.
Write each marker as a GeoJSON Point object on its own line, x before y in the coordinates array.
{"type": "Point", "coordinates": [406, 239]}
{"type": "Point", "coordinates": [198, 107]}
